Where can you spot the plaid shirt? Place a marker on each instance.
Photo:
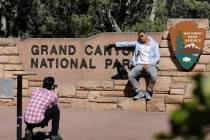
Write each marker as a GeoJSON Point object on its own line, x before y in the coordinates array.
{"type": "Point", "coordinates": [41, 99]}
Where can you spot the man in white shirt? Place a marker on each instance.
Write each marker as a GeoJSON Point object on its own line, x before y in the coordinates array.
{"type": "Point", "coordinates": [146, 57]}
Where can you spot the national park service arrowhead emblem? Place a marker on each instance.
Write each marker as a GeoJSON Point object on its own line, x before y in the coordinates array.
{"type": "Point", "coordinates": [187, 43]}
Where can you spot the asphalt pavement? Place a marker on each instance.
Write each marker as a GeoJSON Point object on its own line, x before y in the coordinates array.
{"type": "Point", "coordinates": [93, 125]}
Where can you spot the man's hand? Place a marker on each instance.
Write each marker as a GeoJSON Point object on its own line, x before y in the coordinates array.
{"type": "Point", "coordinates": [146, 66]}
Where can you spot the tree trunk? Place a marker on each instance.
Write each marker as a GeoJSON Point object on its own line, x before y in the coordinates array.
{"type": "Point", "coordinates": [113, 22]}
{"type": "Point", "coordinates": [152, 15]}
{"type": "Point", "coordinates": [4, 24]}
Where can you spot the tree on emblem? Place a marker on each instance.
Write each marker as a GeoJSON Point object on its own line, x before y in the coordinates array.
{"type": "Point", "coordinates": [179, 44]}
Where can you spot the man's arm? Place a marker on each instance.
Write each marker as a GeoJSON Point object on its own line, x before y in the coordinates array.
{"type": "Point", "coordinates": [126, 44]}
{"type": "Point", "coordinates": [54, 99]}
{"type": "Point", "coordinates": [157, 53]}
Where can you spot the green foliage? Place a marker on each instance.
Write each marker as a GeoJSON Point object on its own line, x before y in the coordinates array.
{"type": "Point", "coordinates": [191, 120]}
{"type": "Point", "coordinates": [190, 9]}
{"type": "Point", "coordinates": [148, 26]}
{"type": "Point", "coordinates": [82, 18]}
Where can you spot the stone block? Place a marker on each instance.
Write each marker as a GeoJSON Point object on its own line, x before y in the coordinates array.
{"type": "Point", "coordinates": [25, 73]}
{"type": "Point", "coordinates": [67, 91]}
{"type": "Point", "coordinates": [159, 95]}
{"type": "Point", "coordinates": [7, 42]}
{"type": "Point", "coordinates": [167, 73]}
{"type": "Point", "coordinates": [202, 23]}
{"type": "Point", "coordinates": [179, 73]}
{"type": "Point", "coordinates": [95, 85]}
{"type": "Point", "coordinates": [206, 48]}
{"type": "Point", "coordinates": [25, 93]}
{"type": "Point", "coordinates": [164, 44]}
{"type": "Point", "coordinates": [193, 73]}
{"type": "Point", "coordinates": [162, 84]}
{"type": "Point", "coordinates": [10, 50]}
{"type": "Point", "coordinates": [189, 90]}
{"type": "Point", "coordinates": [131, 105]}
{"type": "Point", "coordinates": [174, 99]}
{"type": "Point", "coordinates": [102, 106]}
{"type": "Point", "coordinates": [165, 35]}
{"type": "Point", "coordinates": [25, 84]}
{"type": "Point", "coordinates": [113, 93]}
{"type": "Point", "coordinates": [119, 88]}
{"type": "Point", "coordinates": [204, 59]}
{"type": "Point", "coordinates": [182, 79]}
{"type": "Point", "coordinates": [1, 68]}
{"type": "Point", "coordinates": [156, 105]}
{"type": "Point", "coordinates": [4, 59]}
{"type": "Point", "coordinates": [65, 105]}
{"type": "Point", "coordinates": [104, 100]}
{"type": "Point", "coordinates": [79, 104]}
{"type": "Point", "coordinates": [166, 64]}
{"type": "Point", "coordinates": [164, 52]}
{"type": "Point", "coordinates": [93, 95]}
{"type": "Point", "coordinates": [180, 85]}
{"type": "Point", "coordinates": [177, 91]}
{"type": "Point", "coordinates": [171, 107]}
{"type": "Point", "coordinates": [65, 100]}
{"type": "Point", "coordinates": [200, 68]}
{"type": "Point", "coordinates": [13, 67]}
{"type": "Point", "coordinates": [35, 84]}
{"type": "Point", "coordinates": [1, 50]}
{"type": "Point", "coordinates": [7, 102]}
{"type": "Point", "coordinates": [82, 94]}
{"type": "Point", "coordinates": [8, 74]}
{"type": "Point", "coordinates": [37, 78]}
{"type": "Point", "coordinates": [120, 82]}
{"type": "Point", "coordinates": [208, 35]}
{"type": "Point", "coordinates": [14, 60]}
{"type": "Point", "coordinates": [208, 67]}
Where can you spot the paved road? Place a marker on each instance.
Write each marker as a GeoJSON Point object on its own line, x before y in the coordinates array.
{"type": "Point", "coordinates": [94, 125]}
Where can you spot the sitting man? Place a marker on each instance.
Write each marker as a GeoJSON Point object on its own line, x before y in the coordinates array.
{"type": "Point", "coordinates": [43, 106]}
{"type": "Point", "coordinates": [146, 57]}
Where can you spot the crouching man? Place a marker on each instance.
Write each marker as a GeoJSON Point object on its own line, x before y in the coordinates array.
{"type": "Point", "coordinates": [43, 106]}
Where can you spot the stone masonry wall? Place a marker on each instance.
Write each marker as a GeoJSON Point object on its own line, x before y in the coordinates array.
{"type": "Point", "coordinates": [173, 86]}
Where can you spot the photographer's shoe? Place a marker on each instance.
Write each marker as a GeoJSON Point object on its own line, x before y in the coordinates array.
{"type": "Point", "coordinates": [56, 137]}
{"type": "Point", "coordinates": [28, 135]}
{"type": "Point", "coordinates": [139, 95]}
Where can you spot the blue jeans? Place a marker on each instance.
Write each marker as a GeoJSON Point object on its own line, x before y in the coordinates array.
{"type": "Point", "coordinates": [136, 71]}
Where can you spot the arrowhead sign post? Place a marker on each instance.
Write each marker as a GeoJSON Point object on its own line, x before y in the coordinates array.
{"type": "Point", "coordinates": [187, 43]}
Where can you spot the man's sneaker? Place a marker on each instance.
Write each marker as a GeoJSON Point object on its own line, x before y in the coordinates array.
{"type": "Point", "coordinates": [56, 137]}
{"type": "Point", "coordinates": [28, 135]}
{"type": "Point", "coordinates": [147, 95]}
{"type": "Point", "coordinates": [139, 94]}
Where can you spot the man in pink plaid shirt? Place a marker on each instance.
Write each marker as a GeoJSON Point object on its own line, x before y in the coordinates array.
{"type": "Point", "coordinates": [42, 108]}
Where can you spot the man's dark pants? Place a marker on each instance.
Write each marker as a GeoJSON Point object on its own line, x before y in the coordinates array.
{"type": "Point", "coordinates": [51, 113]}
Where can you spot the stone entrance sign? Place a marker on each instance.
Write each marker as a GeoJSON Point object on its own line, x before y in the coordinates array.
{"type": "Point", "coordinates": [187, 43]}
{"type": "Point", "coordinates": [71, 59]}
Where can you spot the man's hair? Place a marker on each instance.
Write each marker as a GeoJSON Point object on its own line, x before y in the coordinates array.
{"type": "Point", "coordinates": [48, 82]}
{"type": "Point", "coordinates": [141, 31]}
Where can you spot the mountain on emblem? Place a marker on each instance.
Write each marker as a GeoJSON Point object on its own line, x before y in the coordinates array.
{"type": "Point", "coordinates": [187, 43]}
